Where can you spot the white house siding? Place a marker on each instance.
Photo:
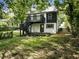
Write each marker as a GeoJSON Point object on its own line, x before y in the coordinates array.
{"type": "Point", "coordinates": [51, 8]}
{"type": "Point", "coordinates": [50, 30]}
{"type": "Point", "coordinates": [45, 17]}
{"type": "Point", "coordinates": [35, 28]}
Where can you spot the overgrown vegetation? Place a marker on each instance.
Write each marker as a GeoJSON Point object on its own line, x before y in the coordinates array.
{"type": "Point", "coordinates": [71, 9]}
{"type": "Point", "coordinates": [39, 47]}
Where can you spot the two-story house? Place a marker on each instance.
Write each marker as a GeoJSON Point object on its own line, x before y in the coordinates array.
{"type": "Point", "coordinates": [44, 21]}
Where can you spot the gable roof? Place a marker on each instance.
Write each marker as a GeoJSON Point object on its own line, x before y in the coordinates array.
{"type": "Point", "coordinates": [50, 9]}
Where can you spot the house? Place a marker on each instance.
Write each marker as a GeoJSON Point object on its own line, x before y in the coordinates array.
{"type": "Point", "coordinates": [43, 22]}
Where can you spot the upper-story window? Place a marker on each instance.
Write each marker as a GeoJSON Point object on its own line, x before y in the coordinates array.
{"type": "Point", "coordinates": [38, 17]}
{"type": "Point", "coordinates": [35, 17]}
{"type": "Point", "coordinates": [51, 17]}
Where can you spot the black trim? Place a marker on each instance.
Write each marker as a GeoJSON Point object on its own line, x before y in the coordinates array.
{"type": "Point", "coordinates": [51, 17]}
{"type": "Point", "coordinates": [42, 19]}
{"type": "Point", "coordinates": [41, 28]}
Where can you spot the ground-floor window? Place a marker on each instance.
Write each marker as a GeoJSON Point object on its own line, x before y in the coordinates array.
{"type": "Point", "coordinates": [49, 25]}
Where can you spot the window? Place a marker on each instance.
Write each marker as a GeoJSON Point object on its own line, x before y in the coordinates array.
{"type": "Point", "coordinates": [35, 17]}
{"type": "Point", "coordinates": [38, 16]}
{"type": "Point", "coordinates": [49, 25]}
{"type": "Point", "coordinates": [51, 17]}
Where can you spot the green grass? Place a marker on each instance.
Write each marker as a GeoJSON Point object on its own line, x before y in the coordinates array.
{"type": "Point", "coordinates": [25, 41]}
{"type": "Point", "coordinates": [61, 45]}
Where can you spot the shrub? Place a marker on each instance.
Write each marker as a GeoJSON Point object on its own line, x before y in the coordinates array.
{"type": "Point", "coordinates": [4, 35]}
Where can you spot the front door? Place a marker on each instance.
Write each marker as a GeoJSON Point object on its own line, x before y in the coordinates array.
{"type": "Point", "coordinates": [42, 28]}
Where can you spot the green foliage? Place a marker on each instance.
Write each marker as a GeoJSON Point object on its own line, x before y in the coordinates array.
{"type": "Point", "coordinates": [6, 34]}
{"type": "Point", "coordinates": [32, 42]}
{"type": "Point", "coordinates": [21, 7]}
{"type": "Point", "coordinates": [71, 9]}
{"type": "Point", "coordinates": [1, 11]}
{"type": "Point", "coordinates": [51, 47]}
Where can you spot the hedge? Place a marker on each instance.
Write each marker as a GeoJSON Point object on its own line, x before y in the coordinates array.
{"type": "Point", "coordinates": [5, 35]}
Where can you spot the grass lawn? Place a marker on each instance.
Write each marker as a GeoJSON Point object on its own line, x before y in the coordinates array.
{"type": "Point", "coordinates": [39, 47]}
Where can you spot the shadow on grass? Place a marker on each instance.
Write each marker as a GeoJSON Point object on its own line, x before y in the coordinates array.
{"type": "Point", "coordinates": [48, 47]}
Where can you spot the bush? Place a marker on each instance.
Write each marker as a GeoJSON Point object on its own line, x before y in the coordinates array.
{"type": "Point", "coordinates": [4, 28]}
{"type": "Point", "coordinates": [4, 35]}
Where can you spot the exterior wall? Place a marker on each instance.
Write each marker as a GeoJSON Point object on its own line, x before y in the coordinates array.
{"type": "Point", "coordinates": [35, 28]}
{"type": "Point", "coordinates": [45, 17]}
{"type": "Point", "coordinates": [58, 24]}
{"type": "Point", "coordinates": [50, 30]}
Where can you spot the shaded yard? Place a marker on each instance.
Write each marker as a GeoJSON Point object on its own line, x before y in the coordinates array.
{"type": "Point", "coordinates": [39, 47]}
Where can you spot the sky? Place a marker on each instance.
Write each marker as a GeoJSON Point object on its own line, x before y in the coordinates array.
{"type": "Point", "coordinates": [1, 0]}
{"type": "Point", "coordinates": [51, 2]}
{"type": "Point", "coordinates": [5, 9]}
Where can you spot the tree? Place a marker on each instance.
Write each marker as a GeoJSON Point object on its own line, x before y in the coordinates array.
{"type": "Point", "coordinates": [71, 9]}
{"type": "Point", "coordinates": [21, 7]}
{"type": "Point", "coordinates": [1, 6]}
